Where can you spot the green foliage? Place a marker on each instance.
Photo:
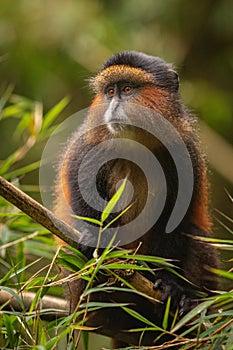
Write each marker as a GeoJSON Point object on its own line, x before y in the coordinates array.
{"type": "Point", "coordinates": [25, 327]}
{"type": "Point", "coordinates": [27, 264]}
{"type": "Point", "coordinates": [211, 329]}
{"type": "Point", "coordinates": [27, 249]}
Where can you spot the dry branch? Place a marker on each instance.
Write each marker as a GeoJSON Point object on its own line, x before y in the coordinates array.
{"type": "Point", "coordinates": [56, 307]}
{"type": "Point", "coordinates": [38, 213]}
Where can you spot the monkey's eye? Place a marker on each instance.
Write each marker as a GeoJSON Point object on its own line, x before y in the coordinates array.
{"type": "Point", "coordinates": [110, 92]}
{"type": "Point", "coordinates": [127, 89]}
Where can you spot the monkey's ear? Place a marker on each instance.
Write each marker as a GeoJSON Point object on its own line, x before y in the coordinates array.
{"type": "Point", "coordinates": [175, 79]}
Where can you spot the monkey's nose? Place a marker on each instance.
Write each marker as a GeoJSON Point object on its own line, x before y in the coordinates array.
{"type": "Point", "coordinates": [115, 112]}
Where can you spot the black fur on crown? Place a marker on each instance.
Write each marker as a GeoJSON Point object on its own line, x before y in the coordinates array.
{"type": "Point", "coordinates": [163, 73]}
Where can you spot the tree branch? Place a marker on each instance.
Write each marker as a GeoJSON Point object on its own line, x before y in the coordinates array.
{"type": "Point", "coordinates": [55, 307]}
{"type": "Point", "coordinates": [38, 213]}
{"type": "Point", "coordinates": [102, 320]}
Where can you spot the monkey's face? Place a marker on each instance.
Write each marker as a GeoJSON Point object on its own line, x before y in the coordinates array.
{"type": "Point", "coordinates": [116, 95]}
{"type": "Point", "coordinates": [121, 87]}
{"type": "Point", "coordinates": [116, 88]}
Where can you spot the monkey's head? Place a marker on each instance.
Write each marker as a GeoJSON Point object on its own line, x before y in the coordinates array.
{"type": "Point", "coordinates": [135, 108]}
{"type": "Point", "coordinates": [131, 77]}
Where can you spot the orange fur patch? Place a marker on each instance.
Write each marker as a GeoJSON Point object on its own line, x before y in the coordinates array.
{"type": "Point", "coordinates": [114, 74]}
{"type": "Point", "coordinates": [200, 212]}
{"type": "Point", "coordinates": [64, 181]}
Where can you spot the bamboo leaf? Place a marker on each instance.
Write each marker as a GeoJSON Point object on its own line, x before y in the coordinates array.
{"type": "Point", "coordinates": [140, 317]}
{"type": "Point", "coordinates": [222, 273]}
{"type": "Point", "coordinates": [193, 313]}
{"type": "Point", "coordinates": [121, 266]}
{"type": "Point", "coordinates": [21, 171]}
{"type": "Point", "coordinates": [77, 252]}
{"type": "Point", "coordinates": [54, 112]}
{"type": "Point", "coordinates": [166, 313]}
{"type": "Point", "coordinates": [84, 218]}
{"type": "Point", "coordinates": [117, 217]}
{"type": "Point", "coordinates": [14, 294]}
{"type": "Point", "coordinates": [113, 201]}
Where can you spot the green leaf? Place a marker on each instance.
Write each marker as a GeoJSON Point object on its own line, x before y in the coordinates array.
{"type": "Point", "coordinates": [85, 338]}
{"type": "Point", "coordinates": [175, 318]}
{"type": "Point", "coordinates": [12, 111]}
{"type": "Point", "coordinates": [121, 266]}
{"type": "Point", "coordinates": [140, 318]}
{"type": "Point", "coordinates": [9, 161]}
{"type": "Point", "coordinates": [229, 341]}
{"type": "Point", "coordinates": [54, 112]}
{"type": "Point", "coordinates": [35, 301]}
{"type": "Point", "coordinates": [19, 271]}
{"type": "Point", "coordinates": [67, 265]}
{"type": "Point", "coordinates": [193, 313]}
{"type": "Point", "coordinates": [166, 313]}
{"type": "Point", "coordinates": [9, 323]}
{"type": "Point", "coordinates": [52, 342]}
{"type": "Point", "coordinates": [36, 281]}
{"type": "Point", "coordinates": [11, 215]}
{"type": "Point", "coordinates": [99, 305]}
{"type": "Point", "coordinates": [77, 252]}
{"type": "Point", "coordinates": [5, 96]}
{"type": "Point", "coordinates": [14, 294]}
{"type": "Point", "coordinates": [152, 259]}
{"type": "Point", "coordinates": [118, 254]}
{"type": "Point", "coordinates": [117, 217]}
{"type": "Point", "coordinates": [100, 261]}
{"type": "Point", "coordinates": [113, 201]}
{"type": "Point", "coordinates": [92, 220]}
{"type": "Point", "coordinates": [24, 170]}
{"type": "Point", "coordinates": [222, 273]}
{"type": "Point", "coordinates": [102, 288]}
{"type": "Point", "coordinates": [42, 338]}
{"type": "Point", "coordinates": [210, 330]}
{"type": "Point", "coordinates": [74, 260]}
{"type": "Point", "coordinates": [145, 329]}
{"type": "Point", "coordinates": [6, 277]}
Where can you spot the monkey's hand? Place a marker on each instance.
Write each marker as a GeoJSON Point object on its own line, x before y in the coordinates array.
{"type": "Point", "coordinates": [170, 286]}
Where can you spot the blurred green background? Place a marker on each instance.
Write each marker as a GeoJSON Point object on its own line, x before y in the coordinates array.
{"type": "Point", "coordinates": [48, 49]}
